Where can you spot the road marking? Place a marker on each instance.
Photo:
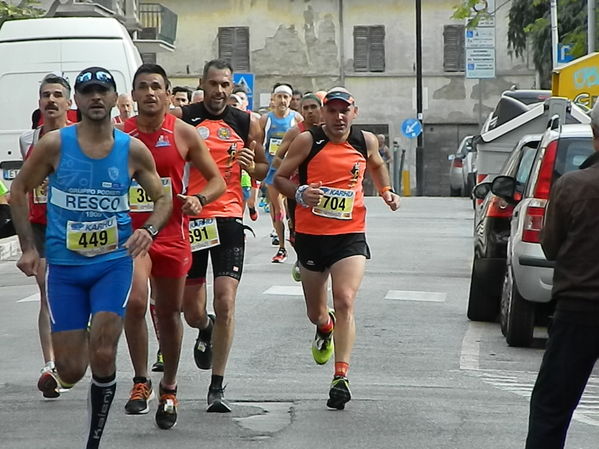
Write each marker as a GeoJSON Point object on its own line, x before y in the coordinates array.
{"type": "Point", "coordinates": [33, 298]}
{"type": "Point", "coordinates": [470, 355]}
{"type": "Point", "coordinates": [9, 247]}
{"type": "Point", "coordinates": [285, 290]}
{"type": "Point", "coordinates": [402, 295]}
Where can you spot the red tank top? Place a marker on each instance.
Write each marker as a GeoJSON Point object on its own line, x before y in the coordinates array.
{"type": "Point", "coordinates": [37, 198]}
{"type": "Point", "coordinates": [171, 169]}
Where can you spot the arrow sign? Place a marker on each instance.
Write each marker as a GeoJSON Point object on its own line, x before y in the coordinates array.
{"type": "Point", "coordinates": [411, 128]}
{"type": "Point", "coordinates": [247, 81]}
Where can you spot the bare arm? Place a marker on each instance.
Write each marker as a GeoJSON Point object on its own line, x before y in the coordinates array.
{"type": "Point", "coordinates": [41, 162]}
{"type": "Point", "coordinates": [284, 147]}
{"type": "Point", "coordinates": [378, 171]}
{"type": "Point", "coordinates": [199, 154]}
{"type": "Point", "coordinates": [177, 112]}
{"type": "Point", "coordinates": [141, 164]}
{"type": "Point", "coordinates": [253, 159]}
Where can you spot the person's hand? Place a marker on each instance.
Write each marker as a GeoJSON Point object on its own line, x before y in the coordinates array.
{"type": "Point", "coordinates": [391, 199]}
{"type": "Point", "coordinates": [191, 204]}
{"type": "Point", "coordinates": [29, 262]}
{"type": "Point", "coordinates": [245, 158]}
{"type": "Point", "coordinates": [139, 243]}
{"type": "Point", "coordinates": [313, 194]}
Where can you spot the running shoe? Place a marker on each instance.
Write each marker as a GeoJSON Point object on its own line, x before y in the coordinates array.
{"type": "Point", "coordinates": [323, 346]}
{"type": "Point", "coordinates": [217, 402]}
{"type": "Point", "coordinates": [295, 272]}
{"type": "Point", "coordinates": [339, 393]}
{"type": "Point", "coordinates": [158, 366]}
{"type": "Point", "coordinates": [253, 213]}
{"type": "Point", "coordinates": [281, 256]}
{"type": "Point", "coordinates": [140, 395]}
{"type": "Point", "coordinates": [166, 415]}
{"type": "Point", "coordinates": [49, 383]}
{"type": "Point", "coordinates": [202, 349]}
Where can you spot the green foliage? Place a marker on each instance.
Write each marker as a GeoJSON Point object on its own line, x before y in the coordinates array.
{"type": "Point", "coordinates": [473, 10]}
{"type": "Point", "coordinates": [24, 10]}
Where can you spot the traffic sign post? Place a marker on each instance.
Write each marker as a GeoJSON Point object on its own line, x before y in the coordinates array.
{"type": "Point", "coordinates": [480, 44]}
{"type": "Point", "coordinates": [411, 128]}
{"type": "Point", "coordinates": [247, 81]}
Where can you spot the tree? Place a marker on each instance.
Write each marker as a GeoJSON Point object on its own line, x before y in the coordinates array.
{"type": "Point", "coordinates": [23, 10]}
{"type": "Point", "coordinates": [529, 21]}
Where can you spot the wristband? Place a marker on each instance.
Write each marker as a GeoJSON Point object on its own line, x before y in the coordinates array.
{"type": "Point", "coordinates": [299, 195]}
{"type": "Point", "coordinates": [203, 200]}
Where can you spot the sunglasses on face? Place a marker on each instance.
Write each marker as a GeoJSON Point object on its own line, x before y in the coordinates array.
{"type": "Point", "coordinates": [100, 76]}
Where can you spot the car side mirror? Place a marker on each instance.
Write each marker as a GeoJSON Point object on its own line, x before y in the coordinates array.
{"type": "Point", "coordinates": [481, 190]}
{"type": "Point", "coordinates": [451, 157]}
{"type": "Point", "coordinates": [504, 187]}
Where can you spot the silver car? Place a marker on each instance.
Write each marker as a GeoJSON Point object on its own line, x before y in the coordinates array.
{"type": "Point", "coordinates": [526, 295]}
{"type": "Point", "coordinates": [462, 169]}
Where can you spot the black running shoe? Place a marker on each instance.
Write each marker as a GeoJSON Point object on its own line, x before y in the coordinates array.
{"type": "Point", "coordinates": [202, 349]}
{"type": "Point", "coordinates": [158, 366]}
{"type": "Point", "coordinates": [217, 402]}
{"type": "Point", "coordinates": [166, 415]}
{"type": "Point", "coordinates": [141, 394]}
{"type": "Point", "coordinates": [339, 393]}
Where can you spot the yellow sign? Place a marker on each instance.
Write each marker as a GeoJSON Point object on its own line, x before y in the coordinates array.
{"type": "Point", "coordinates": [578, 80]}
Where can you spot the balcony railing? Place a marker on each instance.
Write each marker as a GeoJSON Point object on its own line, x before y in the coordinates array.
{"type": "Point", "coordinates": [158, 23]}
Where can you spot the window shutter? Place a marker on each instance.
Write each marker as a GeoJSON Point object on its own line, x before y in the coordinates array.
{"type": "Point", "coordinates": [234, 47]}
{"type": "Point", "coordinates": [377, 49]}
{"type": "Point", "coordinates": [361, 49]}
{"type": "Point", "coordinates": [453, 48]}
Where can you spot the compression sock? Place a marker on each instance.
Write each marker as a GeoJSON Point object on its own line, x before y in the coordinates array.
{"type": "Point", "coordinates": [327, 328]}
{"type": "Point", "coordinates": [341, 369]}
{"type": "Point", "coordinates": [216, 382]}
{"type": "Point", "coordinates": [100, 397]}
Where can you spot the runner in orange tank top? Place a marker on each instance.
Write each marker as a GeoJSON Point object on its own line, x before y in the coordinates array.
{"type": "Point", "coordinates": [330, 225]}
{"type": "Point", "coordinates": [172, 143]}
{"type": "Point", "coordinates": [233, 137]}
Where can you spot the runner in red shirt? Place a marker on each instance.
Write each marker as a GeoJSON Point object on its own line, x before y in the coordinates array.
{"type": "Point", "coordinates": [172, 143]}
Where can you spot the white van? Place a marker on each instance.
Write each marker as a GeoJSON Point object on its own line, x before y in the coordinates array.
{"type": "Point", "coordinates": [30, 49]}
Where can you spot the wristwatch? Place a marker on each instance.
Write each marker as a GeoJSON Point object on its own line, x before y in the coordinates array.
{"type": "Point", "coordinates": [151, 230]}
{"type": "Point", "coordinates": [202, 198]}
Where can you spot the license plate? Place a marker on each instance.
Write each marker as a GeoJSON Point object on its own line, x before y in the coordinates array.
{"type": "Point", "coordinates": [10, 174]}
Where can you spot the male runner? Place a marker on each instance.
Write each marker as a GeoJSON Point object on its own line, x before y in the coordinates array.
{"type": "Point", "coordinates": [89, 243]}
{"type": "Point", "coordinates": [330, 225]}
{"type": "Point", "coordinates": [172, 143]}
{"type": "Point", "coordinates": [274, 125]}
{"type": "Point", "coordinates": [180, 96]}
{"type": "Point", "coordinates": [310, 109]}
{"type": "Point", "coordinates": [232, 136]}
{"type": "Point", "coordinates": [197, 96]}
{"type": "Point", "coordinates": [124, 104]}
{"type": "Point", "coordinates": [296, 100]}
{"type": "Point", "coordinates": [54, 102]}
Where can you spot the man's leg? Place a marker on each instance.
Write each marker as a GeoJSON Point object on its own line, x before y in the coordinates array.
{"type": "Point", "coordinates": [43, 319]}
{"type": "Point", "coordinates": [278, 215]}
{"type": "Point", "coordinates": [567, 364]}
{"type": "Point", "coordinates": [136, 332]}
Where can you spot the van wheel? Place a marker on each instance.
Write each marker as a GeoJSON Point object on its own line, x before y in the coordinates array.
{"type": "Point", "coordinates": [455, 192]}
{"type": "Point", "coordinates": [517, 315]}
{"type": "Point", "coordinates": [483, 298]}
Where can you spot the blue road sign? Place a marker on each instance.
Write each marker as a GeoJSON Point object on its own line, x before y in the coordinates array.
{"type": "Point", "coordinates": [563, 53]}
{"type": "Point", "coordinates": [246, 80]}
{"type": "Point", "coordinates": [411, 128]}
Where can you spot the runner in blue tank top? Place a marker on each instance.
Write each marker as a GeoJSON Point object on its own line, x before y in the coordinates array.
{"type": "Point", "coordinates": [89, 243]}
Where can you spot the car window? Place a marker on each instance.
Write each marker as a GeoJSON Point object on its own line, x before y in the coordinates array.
{"type": "Point", "coordinates": [509, 166]}
{"type": "Point", "coordinates": [528, 156]}
{"type": "Point", "coordinates": [571, 152]}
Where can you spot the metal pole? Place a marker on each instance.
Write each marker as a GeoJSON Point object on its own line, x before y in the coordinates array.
{"type": "Point", "coordinates": [400, 187]}
{"type": "Point", "coordinates": [341, 45]}
{"type": "Point", "coordinates": [554, 35]}
{"type": "Point", "coordinates": [419, 149]}
{"type": "Point", "coordinates": [591, 22]}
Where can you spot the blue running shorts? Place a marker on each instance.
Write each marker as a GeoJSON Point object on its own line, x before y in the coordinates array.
{"type": "Point", "coordinates": [77, 291]}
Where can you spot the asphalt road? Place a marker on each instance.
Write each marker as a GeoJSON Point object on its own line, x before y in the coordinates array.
{"type": "Point", "coordinates": [422, 375]}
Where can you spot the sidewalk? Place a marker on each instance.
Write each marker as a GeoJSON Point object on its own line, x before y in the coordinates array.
{"type": "Point", "coordinates": [9, 248]}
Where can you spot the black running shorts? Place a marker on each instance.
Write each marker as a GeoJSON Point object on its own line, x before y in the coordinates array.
{"type": "Point", "coordinates": [319, 252]}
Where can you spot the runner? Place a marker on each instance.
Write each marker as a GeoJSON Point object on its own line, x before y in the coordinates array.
{"type": "Point", "coordinates": [124, 104]}
{"type": "Point", "coordinates": [54, 102]}
{"type": "Point", "coordinates": [310, 110]}
{"type": "Point", "coordinates": [89, 243]}
{"type": "Point", "coordinates": [296, 100]}
{"type": "Point", "coordinates": [330, 225]}
{"type": "Point", "coordinates": [172, 143]}
{"type": "Point", "coordinates": [180, 96]}
{"type": "Point", "coordinates": [233, 137]}
{"type": "Point", "coordinates": [274, 125]}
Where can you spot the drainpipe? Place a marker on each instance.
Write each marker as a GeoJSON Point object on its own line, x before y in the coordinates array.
{"type": "Point", "coordinates": [341, 45]}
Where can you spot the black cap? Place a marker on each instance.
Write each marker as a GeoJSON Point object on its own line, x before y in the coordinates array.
{"type": "Point", "coordinates": [339, 93]}
{"type": "Point", "coordinates": [98, 76]}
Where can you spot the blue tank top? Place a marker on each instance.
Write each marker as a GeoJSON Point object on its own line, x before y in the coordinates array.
{"type": "Point", "coordinates": [88, 206]}
{"type": "Point", "coordinates": [274, 131]}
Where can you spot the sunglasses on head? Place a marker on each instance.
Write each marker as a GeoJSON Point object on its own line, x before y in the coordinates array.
{"type": "Point", "coordinates": [100, 76]}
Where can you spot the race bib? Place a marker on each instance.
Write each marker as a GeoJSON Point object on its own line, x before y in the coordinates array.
{"type": "Point", "coordinates": [273, 145]}
{"type": "Point", "coordinates": [335, 203]}
{"type": "Point", "coordinates": [40, 193]}
{"type": "Point", "coordinates": [93, 237]}
{"type": "Point", "coordinates": [140, 201]}
{"type": "Point", "coordinates": [203, 233]}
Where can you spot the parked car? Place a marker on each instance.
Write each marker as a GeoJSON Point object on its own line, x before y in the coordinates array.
{"type": "Point", "coordinates": [491, 232]}
{"type": "Point", "coordinates": [462, 169]}
{"type": "Point", "coordinates": [526, 296]}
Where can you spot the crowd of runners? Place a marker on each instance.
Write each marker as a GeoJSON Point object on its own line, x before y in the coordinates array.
{"type": "Point", "coordinates": [117, 216]}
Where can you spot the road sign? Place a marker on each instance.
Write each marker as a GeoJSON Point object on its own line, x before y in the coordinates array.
{"type": "Point", "coordinates": [411, 128]}
{"type": "Point", "coordinates": [563, 53]}
{"type": "Point", "coordinates": [246, 80]}
{"type": "Point", "coordinates": [480, 37]}
{"type": "Point", "coordinates": [480, 63]}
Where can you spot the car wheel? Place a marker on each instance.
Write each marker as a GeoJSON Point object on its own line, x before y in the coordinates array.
{"type": "Point", "coordinates": [519, 315]}
{"type": "Point", "coordinates": [455, 192]}
{"type": "Point", "coordinates": [483, 300]}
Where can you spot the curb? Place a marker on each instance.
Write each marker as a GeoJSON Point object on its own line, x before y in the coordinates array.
{"type": "Point", "coordinates": [9, 248]}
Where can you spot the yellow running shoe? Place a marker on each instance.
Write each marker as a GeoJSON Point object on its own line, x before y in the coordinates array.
{"type": "Point", "coordinates": [323, 346]}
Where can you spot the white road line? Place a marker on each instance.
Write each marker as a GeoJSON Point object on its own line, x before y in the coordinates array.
{"type": "Point", "coordinates": [402, 295]}
{"type": "Point", "coordinates": [33, 298]}
{"type": "Point", "coordinates": [284, 290]}
{"type": "Point", "coordinates": [470, 355]}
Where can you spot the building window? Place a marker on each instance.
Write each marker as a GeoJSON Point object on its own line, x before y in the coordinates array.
{"type": "Point", "coordinates": [369, 48]}
{"type": "Point", "coordinates": [453, 48]}
{"type": "Point", "coordinates": [234, 47]}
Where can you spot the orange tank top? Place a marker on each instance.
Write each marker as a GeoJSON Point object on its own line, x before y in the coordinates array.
{"type": "Point", "coordinates": [340, 167]}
